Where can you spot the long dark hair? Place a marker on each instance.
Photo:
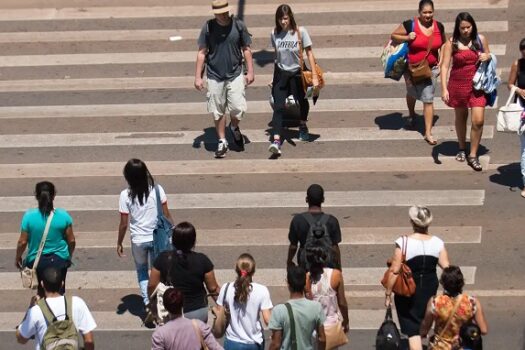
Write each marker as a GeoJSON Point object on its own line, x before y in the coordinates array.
{"type": "Point", "coordinates": [284, 10]}
{"type": "Point", "coordinates": [139, 180]}
{"type": "Point", "coordinates": [317, 258]}
{"type": "Point", "coordinates": [245, 268]}
{"type": "Point", "coordinates": [467, 17]}
{"type": "Point", "coordinates": [183, 240]}
{"type": "Point", "coordinates": [45, 194]}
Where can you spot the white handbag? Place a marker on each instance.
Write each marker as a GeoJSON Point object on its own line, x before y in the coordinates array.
{"type": "Point", "coordinates": [509, 115]}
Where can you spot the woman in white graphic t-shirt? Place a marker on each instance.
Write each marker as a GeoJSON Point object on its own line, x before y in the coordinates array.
{"type": "Point", "coordinates": [287, 79]}
{"type": "Point", "coordinates": [138, 205]}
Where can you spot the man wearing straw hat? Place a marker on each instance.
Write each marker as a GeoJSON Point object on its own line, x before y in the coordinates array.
{"type": "Point", "coordinates": [223, 42]}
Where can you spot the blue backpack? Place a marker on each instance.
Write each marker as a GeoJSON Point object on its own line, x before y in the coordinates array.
{"type": "Point", "coordinates": [394, 59]}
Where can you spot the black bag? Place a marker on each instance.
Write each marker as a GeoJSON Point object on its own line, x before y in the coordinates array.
{"type": "Point", "coordinates": [388, 337]}
{"type": "Point", "coordinates": [317, 236]}
{"type": "Point", "coordinates": [470, 336]}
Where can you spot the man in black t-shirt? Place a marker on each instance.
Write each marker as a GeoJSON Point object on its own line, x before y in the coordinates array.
{"type": "Point", "coordinates": [299, 227]}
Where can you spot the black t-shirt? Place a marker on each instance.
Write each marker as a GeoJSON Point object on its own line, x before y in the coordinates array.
{"type": "Point", "coordinates": [299, 228]}
{"type": "Point", "coordinates": [521, 77]}
{"type": "Point", "coordinates": [189, 278]}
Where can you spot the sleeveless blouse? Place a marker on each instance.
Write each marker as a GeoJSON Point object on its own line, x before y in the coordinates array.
{"type": "Point", "coordinates": [442, 308]}
{"type": "Point", "coordinates": [323, 293]}
{"type": "Point", "coordinates": [417, 49]}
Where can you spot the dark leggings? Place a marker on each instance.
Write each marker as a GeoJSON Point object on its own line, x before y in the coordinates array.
{"type": "Point", "coordinates": [49, 260]}
{"type": "Point", "coordinates": [286, 84]}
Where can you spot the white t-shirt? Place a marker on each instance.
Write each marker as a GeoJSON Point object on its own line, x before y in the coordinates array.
{"type": "Point", "coordinates": [143, 218]}
{"type": "Point", "coordinates": [417, 247]}
{"type": "Point", "coordinates": [286, 47]}
{"type": "Point", "coordinates": [35, 322]}
{"type": "Point", "coordinates": [245, 326]}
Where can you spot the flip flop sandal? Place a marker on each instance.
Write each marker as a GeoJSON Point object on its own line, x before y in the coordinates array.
{"type": "Point", "coordinates": [474, 163]}
{"type": "Point", "coordinates": [461, 156]}
{"type": "Point", "coordinates": [431, 142]}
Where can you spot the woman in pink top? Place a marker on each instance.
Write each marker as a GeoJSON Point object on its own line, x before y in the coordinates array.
{"type": "Point", "coordinates": [418, 32]}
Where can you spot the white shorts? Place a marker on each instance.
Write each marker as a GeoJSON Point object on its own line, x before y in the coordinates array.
{"type": "Point", "coordinates": [227, 96]}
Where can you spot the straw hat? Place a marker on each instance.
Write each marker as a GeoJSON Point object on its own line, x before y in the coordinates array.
{"type": "Point", "coordinates": [220, 6]}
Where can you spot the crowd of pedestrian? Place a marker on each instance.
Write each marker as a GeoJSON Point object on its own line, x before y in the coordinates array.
{"type": "Point", "coordinates": [317, 309]}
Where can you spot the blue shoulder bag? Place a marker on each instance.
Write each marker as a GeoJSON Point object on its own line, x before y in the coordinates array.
{"type": "Point", "coordinates": [163, 231]}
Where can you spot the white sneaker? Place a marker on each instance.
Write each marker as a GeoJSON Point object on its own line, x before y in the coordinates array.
{"type": "Point", "coordinates": [222, 148]}
{"type": "Point", "coordinates": [275, 148]}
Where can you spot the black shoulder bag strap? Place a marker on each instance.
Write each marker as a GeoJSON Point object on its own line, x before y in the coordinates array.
{"type": "Point", "coordinates": [293, 336]}
{"type": "Point", "coordinates": [225, 294]}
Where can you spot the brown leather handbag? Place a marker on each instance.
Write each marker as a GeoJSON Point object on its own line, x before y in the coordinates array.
{"type": "Point", "coordinates": [405, 284]}
{"type": "Point", "coordinates": [421, 71]}
{"type": "Point", "coordinates": [306, 74]}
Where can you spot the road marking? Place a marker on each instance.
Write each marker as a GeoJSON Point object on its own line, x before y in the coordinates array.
{"type": "Point", "coordinates": [238, 166]}
{"type": "Point", "coordinates": [183, 82]}
{"type": "Point", "coordinates": [199, 108]}
{"type": "Point", "coordinates": [178, 34]}
{"type": "Point", "coordinates": [245, 200]}
{"type": "Point", "coordinates": [31, 14]}
{"type": "Point", "coordinates": [481, 293]}
{"type": "Point", "coordinates": [273, 237]}
{"type": "Point", "coordinates": [179, 57]}
{"type": "Point", "coordinates": [357, 276]}
{"type": "Point", "coordinates": [111, 321]}
{"type": "Point", "coordinates": [197, 138]}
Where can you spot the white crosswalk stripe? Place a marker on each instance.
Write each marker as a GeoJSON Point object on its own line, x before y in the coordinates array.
{"type": "Point", "coordinates": [124, 50]}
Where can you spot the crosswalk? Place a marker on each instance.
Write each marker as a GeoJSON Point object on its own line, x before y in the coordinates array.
{"type": "Point", "coordinates": [85, 87]}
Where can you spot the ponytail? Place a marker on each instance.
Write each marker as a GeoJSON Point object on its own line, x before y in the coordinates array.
{"type": "Point", "coordinates": [45, 194]}
{"type": "Point", "coordinates": [245, 269]}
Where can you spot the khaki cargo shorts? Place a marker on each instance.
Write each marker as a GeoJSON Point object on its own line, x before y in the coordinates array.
{"type": "Point", "coordinates": [227, 97]}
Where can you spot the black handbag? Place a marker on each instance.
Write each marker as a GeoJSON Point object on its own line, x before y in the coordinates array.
{"type": "Point", "coordinates": [388, 336]}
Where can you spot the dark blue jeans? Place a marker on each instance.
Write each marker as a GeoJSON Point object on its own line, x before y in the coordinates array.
{"type": "Point", "coordinates": [49, 260]}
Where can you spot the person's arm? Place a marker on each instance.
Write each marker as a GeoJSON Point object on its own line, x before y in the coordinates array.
{"type": "Point", "coordinates": [311, 60]}
{"type": "Point", "coordinates": [428, 319]}
{"type": "Point", "coordinates": [395, 267]}
{"type": "Point", "coordinates": [211, 284]}
{"type": "Point", "coordinates": [20, 248]}
{"type": "Point", "coordinates": [443, 261]}
{"type": "Point", "coordinates": [337, 255]}
{"type": "Point", "coordinates": [166, 212]}
{"type": "Point", "coordinates": [513, 75]}
{"type": "Point", "coordinates": [321, 337]}
{"type": "Point", "coordinates": [70, 239]}
{"type": "Point", "coordinates": [89, 341]}
{"type": "Point", "coordinates": [277, 339]}
{"type": "Point", "coordinates": [480, 319]}
{"type": "Point", "coordinates": [292, 249]}
{"type": "Point", "coordinates": [266, 314]}
{"type": "Point", "coordinates": [19, 338]}
{"type": "Point", "coordinates": [208, 337]}
{"type": "Point", "coordinates": [199, 68]}
{"type": "Point", "coordinates": [445, 65]}
{"type": "Point", "coordinates": [248, 58]}
{"type": "Point", "coordinates": [400, 35]}
{"type": "Point", "coordinates": [154, 280]}
{"type": "Point", "coordinates": [485, 55]}
{"type": "Point", "coordinates": [122, 227]}
{"type": "Point", "coordinates": [338, 285]}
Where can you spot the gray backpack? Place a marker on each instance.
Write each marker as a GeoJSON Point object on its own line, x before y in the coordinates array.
{"type": "Point", "coordinates": [60, 335]}
{"type": "Point", "coordinates": [318, 236]}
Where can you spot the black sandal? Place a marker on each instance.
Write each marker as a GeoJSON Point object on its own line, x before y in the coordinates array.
{"type": "Point", "coordinates": [474, 163]}
{"type": "Point", "coordinates": [461, 156]}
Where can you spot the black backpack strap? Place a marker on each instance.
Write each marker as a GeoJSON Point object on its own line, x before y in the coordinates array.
{"type": "Point", "coordinates": [225, 293]}
{"type": "Point", "coordinates": [313, 221]}
{"type": "Point", "coordinates": [293, 336]}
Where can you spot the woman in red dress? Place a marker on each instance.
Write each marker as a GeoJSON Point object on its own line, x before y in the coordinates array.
{"type": "Point", "coordinates": [466, 49]}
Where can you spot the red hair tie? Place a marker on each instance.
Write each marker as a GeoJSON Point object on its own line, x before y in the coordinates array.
{"type": "Point", "coordinates": [244, 273]}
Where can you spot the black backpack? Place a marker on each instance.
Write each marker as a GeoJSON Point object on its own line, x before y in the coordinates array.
{"type": "Point", "coordinates": [388, 337]}
{"type": "Point", "coordinates": [317, 236]}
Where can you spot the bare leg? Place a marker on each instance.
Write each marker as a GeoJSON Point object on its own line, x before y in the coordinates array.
{"type": "Point", "coordinates": [411, 104]}
{"type": "Point", "coordinates": [478, 119]}
{"type": "Point", "coordinates": [234, 121]}
{"type": "Point", "coordinates": [428, 112]}
{"type": "Point", "coordinates": [414, 343]}
{"type": "Point", "coordinates": [219, 127]}
{"type": "Point", "coordinates": [461, 126]}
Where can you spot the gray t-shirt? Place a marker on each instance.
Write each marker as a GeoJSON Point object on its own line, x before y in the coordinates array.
{"type": "Point", "coordinates": [286, 45]}
{"type": "Point", "coordinates": [224, 44]}
{"type": "Point", "coordinates": [308, 316]}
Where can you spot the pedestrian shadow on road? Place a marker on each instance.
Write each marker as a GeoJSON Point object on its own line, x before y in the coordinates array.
{"type": "Point", "coordinates": [263, 57]}
{"type": "Point", "coordinates": [396, 121]}
{"type": "Point", "coordinates": [209, 140]}
{"type": "Point", "coordinates": [133, 304]}
{"type": "Point", "coordinates": [450, 149]}
{"type": "Point", "coordinates": [509, 176]}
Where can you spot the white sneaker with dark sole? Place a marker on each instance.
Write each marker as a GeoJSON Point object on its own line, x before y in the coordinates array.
{"type": "Point", "coordinates": [222, 148]}
{"type": "Point", "coordinates": [275, 148]}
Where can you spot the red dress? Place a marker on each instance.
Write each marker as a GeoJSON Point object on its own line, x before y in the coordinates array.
{"type": "Point", "coordinates": [461, 93]}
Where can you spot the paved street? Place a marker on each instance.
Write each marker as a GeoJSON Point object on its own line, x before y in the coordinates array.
{"type": "Point", "coordinates": [86, 85]}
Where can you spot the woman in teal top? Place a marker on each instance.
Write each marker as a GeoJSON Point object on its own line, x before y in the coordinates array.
{"type": "Point", "coordinates": [60, 241]}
